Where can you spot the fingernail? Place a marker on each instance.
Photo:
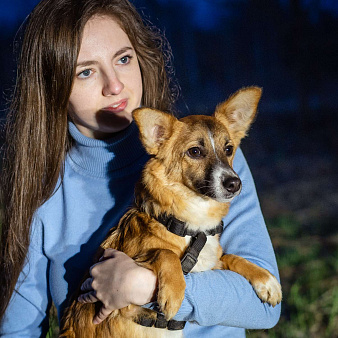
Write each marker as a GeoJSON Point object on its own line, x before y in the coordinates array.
{"type": "Point", "coordinates": [95, 321]}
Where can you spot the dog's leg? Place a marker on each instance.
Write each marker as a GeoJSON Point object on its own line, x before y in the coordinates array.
{"type": "Point", "coordinates": [264, 283]}
{"type": "Point", "coordinates": [171, 284]}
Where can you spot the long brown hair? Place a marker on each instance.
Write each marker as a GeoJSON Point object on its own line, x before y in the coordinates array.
{"type": "Point", "coordinates": [37, 127]}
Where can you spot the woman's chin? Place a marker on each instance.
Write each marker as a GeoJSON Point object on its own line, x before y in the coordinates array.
{"type": "Point", "coordinates": [112, 123]}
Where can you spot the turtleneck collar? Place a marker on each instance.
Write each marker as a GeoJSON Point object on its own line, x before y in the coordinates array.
{"type": "Point", "coordinates": [123, 153]}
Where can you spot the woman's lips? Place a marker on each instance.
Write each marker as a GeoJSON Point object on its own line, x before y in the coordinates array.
{"type": "Point", "coordinates": [117, 107]}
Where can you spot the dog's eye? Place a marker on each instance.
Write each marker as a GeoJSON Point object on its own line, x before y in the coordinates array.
{"type": "Point", "coordinates": [194, 152]}
{"type": "Point", "coordinates": [229, 150]}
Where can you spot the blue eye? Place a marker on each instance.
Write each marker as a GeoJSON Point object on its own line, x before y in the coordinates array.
{"type": "Point", "coordinates": [86, 73]}
{"type": "Point", "coordinates": [125, 59]}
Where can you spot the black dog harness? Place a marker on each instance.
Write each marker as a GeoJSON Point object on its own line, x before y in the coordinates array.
{"type": "Point", "coordinates": [198, 239]}
{"type": "Point", "coordinates": [188, 261]}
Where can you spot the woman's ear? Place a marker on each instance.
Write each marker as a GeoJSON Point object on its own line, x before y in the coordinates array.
{"type": "Point", "coordinates": [155, 127]}
{"type": "Point", "coordinates": [238, 112]}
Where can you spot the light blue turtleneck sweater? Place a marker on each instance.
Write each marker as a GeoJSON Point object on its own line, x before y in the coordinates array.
{"type": "Point", "coordinates": [97, 188]}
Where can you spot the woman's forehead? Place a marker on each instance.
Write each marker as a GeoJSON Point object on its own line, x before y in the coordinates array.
{"type": "Point", "coordinates": [102, 34]}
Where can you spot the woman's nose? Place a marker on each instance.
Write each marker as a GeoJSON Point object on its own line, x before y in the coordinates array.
{"type": "Point", "coordinates": [112, 85]}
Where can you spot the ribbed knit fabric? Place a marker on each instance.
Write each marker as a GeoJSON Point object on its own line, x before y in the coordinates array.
{"type": "Point", "coordinates": [97, 188]}
{"type": "Point", "coordinates": [114, 157]}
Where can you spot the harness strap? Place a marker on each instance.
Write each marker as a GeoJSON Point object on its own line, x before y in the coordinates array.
{"type": "Point", "coordinates": [188, 261]}
{"type": "Point", "coordinates": [161, 323]}
{"type": "Point", "coordinates": [190, 256]}
{"type": "Point", "coordinates": [179, 228]}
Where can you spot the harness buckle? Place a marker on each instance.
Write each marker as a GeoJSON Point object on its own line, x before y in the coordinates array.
{"type": "Point", "coordinates": [188, 261]}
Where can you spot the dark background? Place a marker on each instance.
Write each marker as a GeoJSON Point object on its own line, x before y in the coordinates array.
{"type": "Point", "coordinates": [290, 48]}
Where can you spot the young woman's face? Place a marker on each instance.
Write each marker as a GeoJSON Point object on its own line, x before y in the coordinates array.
{"type": "Point", "coordinates": [108, 83]}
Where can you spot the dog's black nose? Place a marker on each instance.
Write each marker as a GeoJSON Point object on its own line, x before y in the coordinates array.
{"type": "Point", "coordinates": [232, 184]}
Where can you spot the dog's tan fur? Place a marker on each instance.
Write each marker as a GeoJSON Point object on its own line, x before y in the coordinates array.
{"type": "Point", "coordinates": [171, 183]}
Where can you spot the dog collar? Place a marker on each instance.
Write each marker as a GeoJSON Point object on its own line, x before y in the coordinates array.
{"type": "Point", "coordinates": [179, 228]}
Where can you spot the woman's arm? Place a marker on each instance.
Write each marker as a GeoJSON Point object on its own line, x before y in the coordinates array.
{"type": "Point", "coordinates": [224, 297]}
{"type": "Point", "coordinates": [27, 313]}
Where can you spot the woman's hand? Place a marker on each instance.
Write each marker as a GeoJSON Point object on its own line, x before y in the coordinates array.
{"type": "Point", "coordinates": [117, 281]}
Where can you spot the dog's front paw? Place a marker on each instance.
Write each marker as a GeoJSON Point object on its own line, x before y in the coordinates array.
{"type": "Point", "coordinates": [170, 297]}
{"type": "Point", "coordinates": [269, 291]}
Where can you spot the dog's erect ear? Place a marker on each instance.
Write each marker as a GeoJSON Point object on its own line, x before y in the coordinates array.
{"type": "Point", "coordinates": [155, 127]}
{"type": "Point", "coordinates": [238, 112]}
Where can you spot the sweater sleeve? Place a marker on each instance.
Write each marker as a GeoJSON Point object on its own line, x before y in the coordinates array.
{"type": "Point", "coordinates": [27, 313]}
{"type": "Point", "coordinates": [222, 297]}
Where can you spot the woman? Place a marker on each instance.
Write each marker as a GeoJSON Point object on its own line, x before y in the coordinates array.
{"type": "Point", "coordinates": [72, 161]}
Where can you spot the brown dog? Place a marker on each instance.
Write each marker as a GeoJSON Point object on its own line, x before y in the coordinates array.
{"type": "Point", "coordinates": [184, 193]}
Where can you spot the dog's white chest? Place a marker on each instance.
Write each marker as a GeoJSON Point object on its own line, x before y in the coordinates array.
{"type": "Point", "coordinates": [208, 256]}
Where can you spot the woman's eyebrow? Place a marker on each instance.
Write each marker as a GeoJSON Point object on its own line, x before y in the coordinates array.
{"type": "Point", "coordinates": [92, 62]}
{"type": "Point", "coordinates": [86, 63]}
{"type": "Point", "coordinates": [121, 51]}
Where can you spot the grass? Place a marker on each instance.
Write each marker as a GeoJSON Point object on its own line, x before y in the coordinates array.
{"type": "Point", "coordinates": [307, 256]}
{"type": "Point", "coordinates": [53, 324]}
{"type": "Point", "coordinates": [308, 262]}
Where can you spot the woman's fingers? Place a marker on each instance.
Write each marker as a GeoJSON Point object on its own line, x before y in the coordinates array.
{"type": "Point", "coordinates": [117, 281]}
{"type": "Point", "coordinates": [88, 297]}
{"type": "Point", "coordinates": [102, 315]}
{"type": "Point", "coordinates": [108, 253]}
{"type": "Point", "coordinates": [87, 284]}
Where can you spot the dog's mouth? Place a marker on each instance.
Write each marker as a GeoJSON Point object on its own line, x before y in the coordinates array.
{"type": "Point", "coordinates": [222, 184]}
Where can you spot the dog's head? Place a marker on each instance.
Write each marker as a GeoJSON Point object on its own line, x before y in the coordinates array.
{"type": "Point", "coordinates": [197, 151]}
